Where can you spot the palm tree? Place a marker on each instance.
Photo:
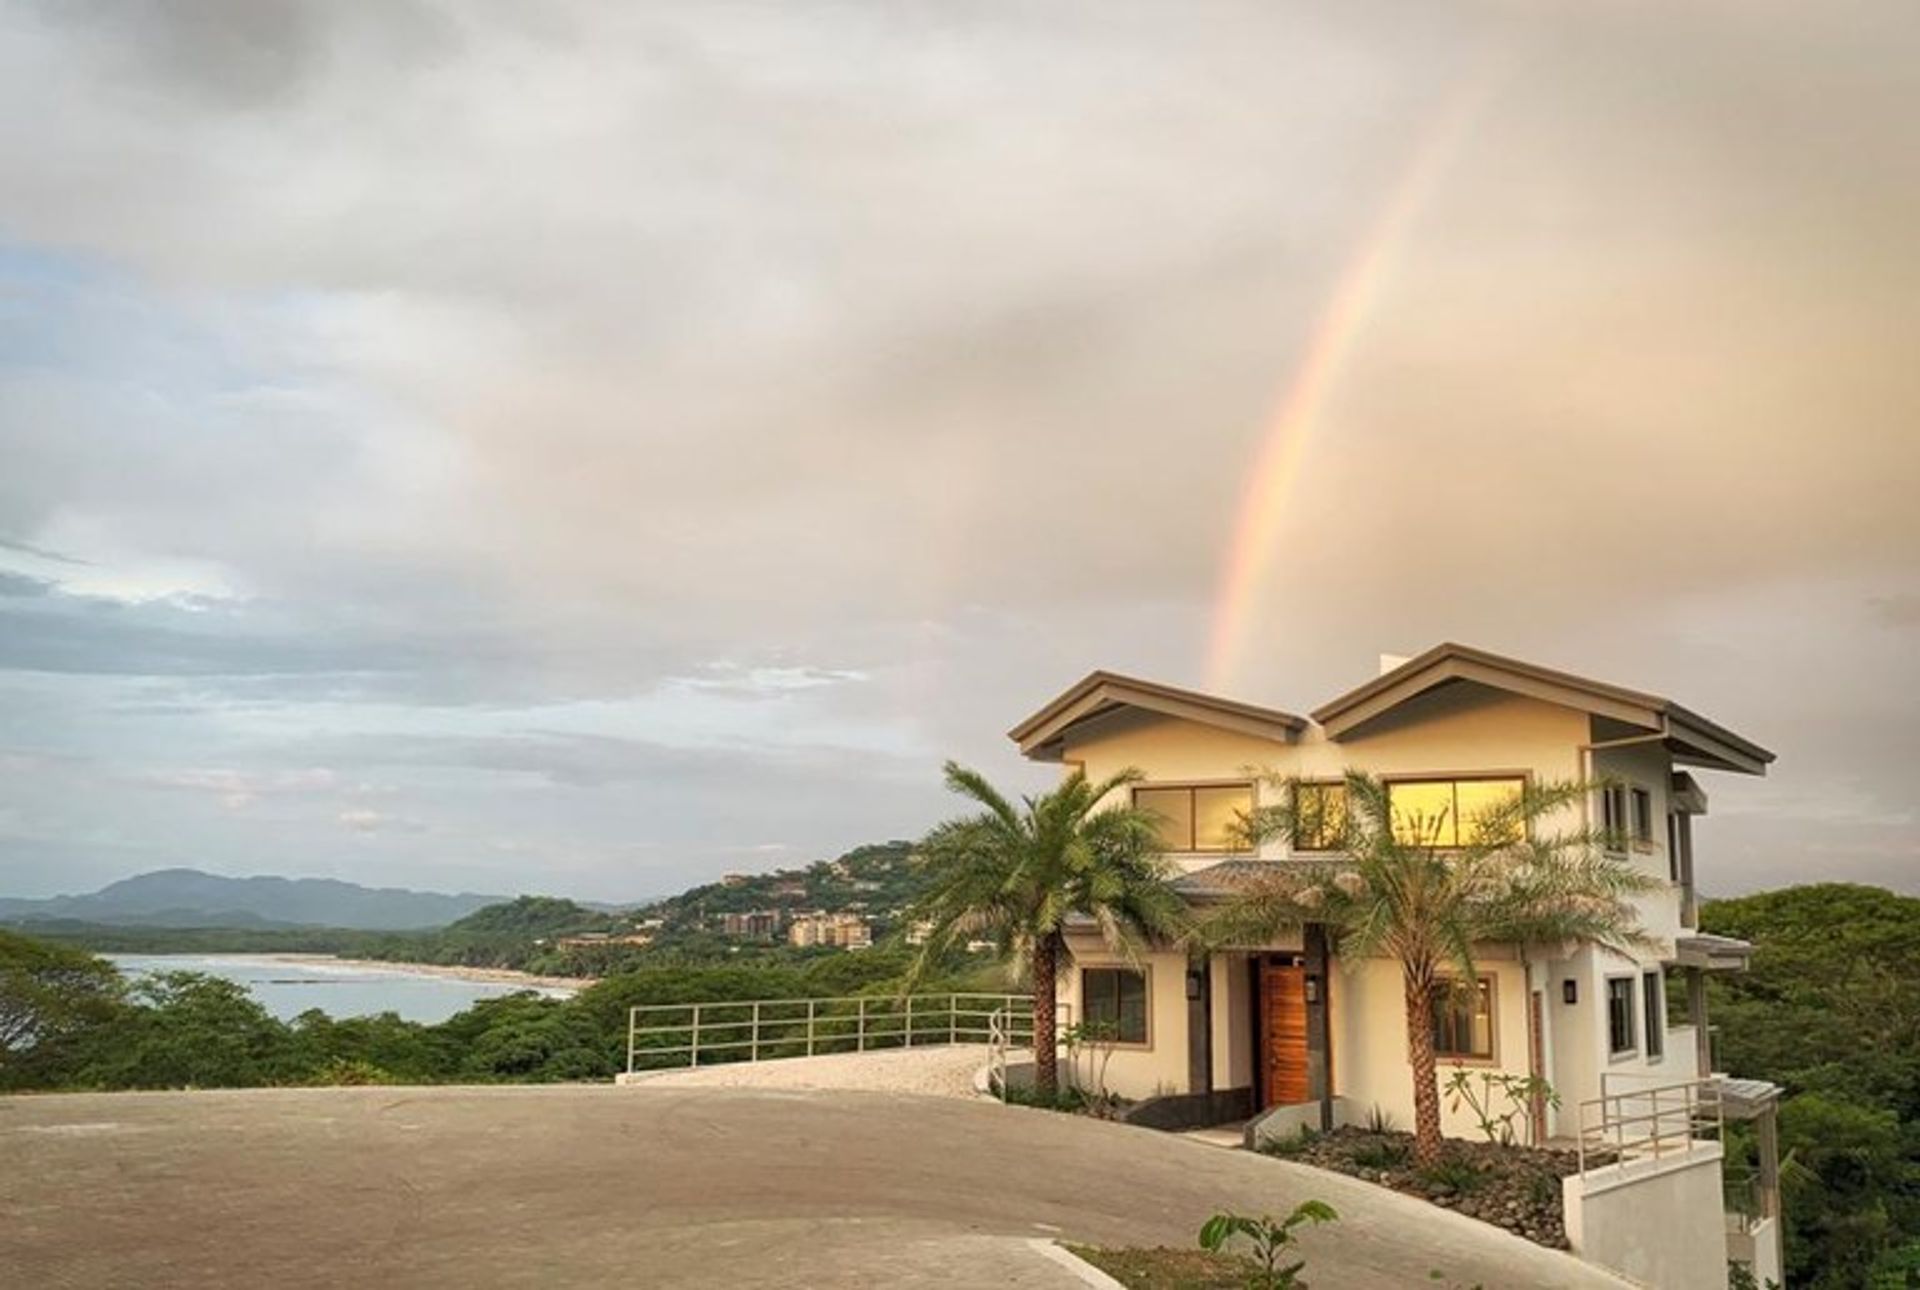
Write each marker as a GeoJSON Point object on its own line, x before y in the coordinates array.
{"type": "Point", "coordinates": [1503, 877]}
{"type": "Point", "coordinates": [1015, 875]}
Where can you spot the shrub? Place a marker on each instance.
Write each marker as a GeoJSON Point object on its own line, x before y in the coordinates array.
{"type": "Point", "coordinates": [1451, 1174]}
{"type": "Point", "coordinates": [1382, 1153]}
{"type": "Point", "coordinates": [1269, 1238]}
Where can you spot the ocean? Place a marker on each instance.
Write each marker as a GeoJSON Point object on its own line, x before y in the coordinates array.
{"type": "Point", "coordinates": [287, 989]}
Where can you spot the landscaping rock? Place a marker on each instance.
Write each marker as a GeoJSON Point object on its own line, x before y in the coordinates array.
{"type": "Point", "coordinates": [1512, 1187]}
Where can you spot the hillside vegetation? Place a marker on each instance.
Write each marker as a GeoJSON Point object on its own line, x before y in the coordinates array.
{"type": "Point", "coordinates": [1831, 1011]}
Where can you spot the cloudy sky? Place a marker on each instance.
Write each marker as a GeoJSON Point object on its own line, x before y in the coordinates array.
{"type": "Point", "coordinates": [585, 448]}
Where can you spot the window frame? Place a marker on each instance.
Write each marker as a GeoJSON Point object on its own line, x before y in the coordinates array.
{"type": "Point", "coordinates": [1190, 787]}
{"type": "Point", "coordinates": [1639, 813]}
{"type": "Point", "coordinates": [1613, 816]}
{"type": "Point", "coordinates": [1318, 785]}
{"type": "Point", "coordinates": [1653, 1001]}
{"type": "Point", "coordinates": [1390, 782]}
{"type": "Point", "coordinates": [1145, 973]}
{"type": "Point", "coordinates": [1631, 982]}
{"type": "Point", "coordinates": [1489, 986]}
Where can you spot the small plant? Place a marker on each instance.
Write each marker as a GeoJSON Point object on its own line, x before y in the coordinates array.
{"type": "Point", "coordinates": [1097, 1039]}
{"type": "Point", "coordinates": [1450, 1174]}
{"type": "Point", "coordinates": [1291, 1146]}
{"type": "Point", "coordinates": [1379, 1120]}
{"type": "Point", "coordinates": [1519, 1093]}
{"type": "Point", "coordinates": [1066, 1098]}
{"type": "Point", "coordinates": [1382, 1153]}
{"type": "Point", "coordinates": [1270, 1240]}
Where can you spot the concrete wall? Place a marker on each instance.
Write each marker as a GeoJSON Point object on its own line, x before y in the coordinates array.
{"type": "Point", "coordinates": [1656, 1222]}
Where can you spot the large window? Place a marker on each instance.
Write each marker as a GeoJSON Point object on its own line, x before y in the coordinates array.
{"type": "Point", "coordinates": [1620, 1015]}
{"type": "Point", "coordinates": [1203, 818]}
{"type": "Point", "coordinates": [1116, 998]}
{"type": "Point", "coordinates": [1463, 1020]}
{"type": "Point", "coordinates": [1450, 812]}
{"type": "Point", "coordinates": [1655, 992]}
{"type": "Point", "coordinates": [1319, 816]}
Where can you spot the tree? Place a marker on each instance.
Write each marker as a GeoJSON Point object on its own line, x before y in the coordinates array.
{"type": "Point", "coordinates": [1395, 891]}
{"type": "Point", "coordinates": [48, 992]}
{"type": "Point", "coordinates": [1015, 875]}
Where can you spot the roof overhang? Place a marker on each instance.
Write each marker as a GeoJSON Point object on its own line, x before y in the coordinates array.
{"type": "Point", "coordinates": [1687, 794]}
{"type": "Point", "coordinates": [1690, 737]}
{"type": "Point", "coordinates": [1712, 953]}
{"type": "Point", "coordinates": [1042, 735]}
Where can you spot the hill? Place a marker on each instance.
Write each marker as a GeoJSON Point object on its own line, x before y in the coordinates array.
{"type": "Point", "coordinates": [191, 898]}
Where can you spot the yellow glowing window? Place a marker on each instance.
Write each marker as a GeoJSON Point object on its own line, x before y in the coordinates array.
{"type": "Point", "coordinates": [1450, 812]}
{"type": "Point", "coordinates": [1198, 819]}
{"type": "Point", "coordinates": [1319, 816]}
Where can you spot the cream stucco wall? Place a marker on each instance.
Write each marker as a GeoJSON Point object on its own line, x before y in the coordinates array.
{"type": "Point", "coordinates": [1160, 1065]}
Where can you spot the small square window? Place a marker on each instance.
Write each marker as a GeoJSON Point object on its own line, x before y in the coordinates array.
{"type": "Point", "coordinates": [1115, 1001]}
{"type": "Point", "coordinates": [1655, 991]}
{"type": "Point", "coordinates": [1463, 1020]}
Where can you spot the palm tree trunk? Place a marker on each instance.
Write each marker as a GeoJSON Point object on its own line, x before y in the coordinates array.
{"type": "Point", "coordinates": [1426, 1086]}
{"type": "Point", "coordinates": [1046, 1054]}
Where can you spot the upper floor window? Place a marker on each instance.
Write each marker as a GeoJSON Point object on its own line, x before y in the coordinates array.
{"type": "Point", "coordinates": [1114, 1003]}
{"type": "Point", "coordinates": [1620, 1036]}
{"type": "Point", "coordinates": [1319, 816]}
{"type": "Point", "coordinates": [1451, 812]}
{"type": "Point", "coordinates": [1642, 815]}
{"type": "Point", "coordinates": [1205, 817]}
{"type": "Point", "coordinates": [1613, 814]}
{"type": "Point", "coordinates": [1463, 1020]}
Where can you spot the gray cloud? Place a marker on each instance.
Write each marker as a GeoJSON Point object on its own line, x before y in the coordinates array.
{"type": "Point", "coordinates": [549, 397]}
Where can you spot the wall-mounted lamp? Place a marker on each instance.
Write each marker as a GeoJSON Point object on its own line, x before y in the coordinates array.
{"type": "Point", "coordinates": [1570, 990]}
{"type": "Point", "coordinates": [1313, 989]}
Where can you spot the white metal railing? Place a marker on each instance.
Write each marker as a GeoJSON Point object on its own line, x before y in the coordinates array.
{"type": "Point", "coordinates": [1648, 1122]}
{"type": "Point", "coordinates": [663, 1036]}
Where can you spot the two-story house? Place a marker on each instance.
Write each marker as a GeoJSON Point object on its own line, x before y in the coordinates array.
{"type": "Point", "coordinates": [1448, 731]}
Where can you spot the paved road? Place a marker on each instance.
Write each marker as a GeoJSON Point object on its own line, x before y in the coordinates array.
{"type": "Point", "coordinates": [941, 1070]}
{"type": "Point", "coordinates": [655, 1186]}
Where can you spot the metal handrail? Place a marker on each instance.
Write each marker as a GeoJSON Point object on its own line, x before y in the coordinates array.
{"type": "Point", "coordinates": [1664, 1120]}
{"type": "Point", "coordinates": [670, 1035]}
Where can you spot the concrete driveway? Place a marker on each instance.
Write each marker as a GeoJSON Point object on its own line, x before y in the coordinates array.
{"type": "Point", "coordinates": [567, 1186]}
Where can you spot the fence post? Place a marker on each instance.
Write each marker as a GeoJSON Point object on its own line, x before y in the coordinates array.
{"type": "Point", "coordinates": [631, 1018]}
{"type": "Point", "coordinates": [753, 1034]}
{"type": "Point", "coordinates": [953, 1019]}
{"type": "Point", "coordinates": [810, 1003]}
{"type": "Point", "coordinates": [693, 1048]}
{"type": "Point", "coordinates": [860, 1033]}
{"type": "Point", "coordinates": [909, 1021]}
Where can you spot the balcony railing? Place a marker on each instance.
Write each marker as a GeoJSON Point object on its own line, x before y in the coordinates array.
{"type": "Point", "coordinates": [1648, 1123]}
{"type": "Point", "coordinates": [665, 1036]}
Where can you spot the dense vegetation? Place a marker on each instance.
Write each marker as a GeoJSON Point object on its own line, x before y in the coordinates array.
{"type": "Point", "coordinates": [1831, 1011]}
{"type": "Point", "coordinates": [69, 1021]}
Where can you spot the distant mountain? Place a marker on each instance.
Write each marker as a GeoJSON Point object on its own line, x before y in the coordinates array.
{"type": "Point", "coordinates": [190, 898]}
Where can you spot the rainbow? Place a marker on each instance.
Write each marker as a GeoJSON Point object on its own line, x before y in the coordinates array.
{"type": "Point", "coordinates": [1276, 469]}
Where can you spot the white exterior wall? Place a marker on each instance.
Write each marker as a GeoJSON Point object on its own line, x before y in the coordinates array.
{"type": "Point", "coordinates": [1160, 1064]}
{"type": "Point", "coordinates": [1646, 1220]}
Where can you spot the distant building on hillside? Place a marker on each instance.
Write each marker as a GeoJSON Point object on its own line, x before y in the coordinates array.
{"type": "Point", "coordinates": [790, 887]}
{"type": "Point", "coordinates": [752, 925]}
{"type": "Point", "coordinates": [847, 931]}
{"type": "Point", "coordinates": [734, 879]}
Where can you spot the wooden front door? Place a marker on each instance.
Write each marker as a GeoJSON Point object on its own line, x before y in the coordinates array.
{"type": "Point", "coordinates": [1283, 1023]}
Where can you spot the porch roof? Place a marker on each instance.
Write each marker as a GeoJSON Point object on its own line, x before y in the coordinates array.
{"type": "Point", "coordinates": [1712, 953]}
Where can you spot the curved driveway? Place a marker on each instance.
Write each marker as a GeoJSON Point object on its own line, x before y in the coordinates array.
{"type": "Point", "coordinates": [565, 1186]}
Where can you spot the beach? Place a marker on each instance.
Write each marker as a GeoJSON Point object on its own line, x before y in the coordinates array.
{"type": "Point", "coordinates": [453, 972]}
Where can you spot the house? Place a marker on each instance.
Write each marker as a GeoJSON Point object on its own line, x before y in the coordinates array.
{"type": "Point", "coordinates": [1288, 1023]}
{"type": "Point", "coordinates": [848, 931]}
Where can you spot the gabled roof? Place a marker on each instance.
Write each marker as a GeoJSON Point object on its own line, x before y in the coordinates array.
{"type": "Point", "coordinates": [1101, 693]}
{"type": "Point", "coordinates": [1688, 735]}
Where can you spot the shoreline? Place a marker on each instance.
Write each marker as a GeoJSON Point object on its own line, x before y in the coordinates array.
{"type": "Point", "coordinates": [490, 976]}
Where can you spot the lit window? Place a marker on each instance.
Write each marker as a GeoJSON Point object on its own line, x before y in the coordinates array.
{"type": "Point", "coordinates": [1319, 816]}
{"type": "Point", "coordinates": [1206, 818]}
{"type": "Point", "coordinates": [1463, 1020]}
{"type": "Point", "coordinates": [1452, 812]}
{"type": "Point", "coordinates": [1620, 1015]}
{"type": "Point", "coordinates": [1114, 1003]}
